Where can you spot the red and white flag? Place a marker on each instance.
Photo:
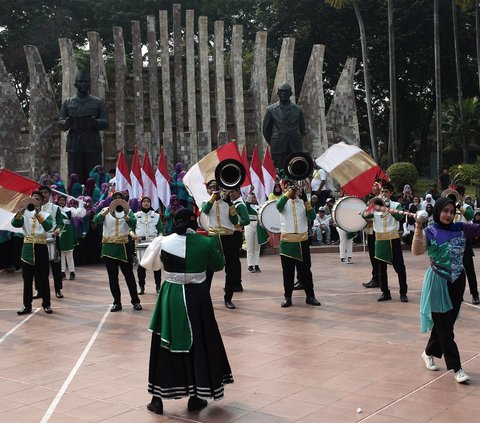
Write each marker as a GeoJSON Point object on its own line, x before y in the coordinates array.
{"type": "Point", "coordinates": [247, 183]}
{"type": "Point", "coordinates": [257, 178]}
{"type": "Point", "coordinates": [136, 177]}
{"type": "Point", "coordinates": [163, 180]}
{"type": "Point", "coordinates": [122, 176]}
{"type": "Point", "coordinates": [268, 171]}
{"type": "Point", "coordinates": [204, 170]}
{"type": "Point", "coordinates": [351, 167]}
{"type": "Point", "coordinates": [13, 189]}
{"type": "Point", "coordinates": [149, 182]}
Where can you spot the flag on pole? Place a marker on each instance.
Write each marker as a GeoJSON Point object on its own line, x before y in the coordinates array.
{"type": "Point", "coordinates": [268, 171]}
{"type": "Point", "coordinates": [149, 182]}
{"type": "Point", "coordinates": [257, 178]}
{"type": "Point", "coordinates": [204, 170]}
{"type": "Point", "coordinates": [122, 176]}
{"type": "Point", "coordinates": [351, 167]}
{"type": "Point", "coordinates": [136, 177]}
{"type": "Point", "coordinates": [246, 186]}
{"type": "Point", "coordinates": [13, 189]}
{"type": "Point", "coordinates": [162, 179]}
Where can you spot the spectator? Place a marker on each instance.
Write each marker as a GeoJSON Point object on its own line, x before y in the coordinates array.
{"type": "Point", "coordinates": [74, 187]}
{"type": "Point", "coordinates": [433, 191]}
{"type": "Point", "coordinates": [444, 179]}
{"type": "Point", "coordinates": [321, 227]}
{"type": "Point", "coordinates": [428, 200]}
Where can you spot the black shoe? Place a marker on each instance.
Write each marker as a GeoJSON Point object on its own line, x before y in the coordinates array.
{"type": "Point", "coordinates": [137, 307]}
{"type": "Point", "coordinates": [58, 294]}
{"type": "Point", "coordinates": [384, 297]}
{"type": "Point", "coordinates": [36, 295]}
{"type": "Point", "coordinates": [64, 276]}
{"type": "Point", "coordinates": [141, 290]}
{"type": "Point", "coordinates": [238, 288]}
{"type": "Point", "coordinates": [312, 301]}
{"type": "Point", "coordinates": [156, 405]}
{"type": "Point", "coordinates": [287, 302]}
{"type": "Point", "coordinates": [257, 269]}
{"type": "Point", "coordinates": [157, 288]}
{"type": "Point", "coordinates": [371, 284]}
{"type": "Point", "coordinates": [298, 286]}
{"type": "Point", "coordinates": [115, 308]}
{"type": "Point", "coordinates": [195, 403]}
{"type": "Point", "coordinates": [230, 305]}
{"type": "Point", "coordinates": [72, 276]}
{"type": "Point", "coordinates": [48, 310]}
{"type": "Point", "coordinates": [475, 300]}
{"type": "Point", "coordinates": [403, 298]}
{"type": "Point", "coordinates": [251, 269]}
{"type": "Point", "coordinates": [24, 310]}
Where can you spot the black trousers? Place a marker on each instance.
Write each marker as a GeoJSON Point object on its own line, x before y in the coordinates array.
{"type": "Point", "coordinates": [442, 338]}
{"type": "Point", "coordinates": [231, 245]}
{"type": "Point", "coordinates": [303, 270]}
{"type": "Point", "coordinates": [56, 266]}
{"type": "Point", "coordinates": [113, 265]}
{"type": "Point", "coordinates": [373, 260]}
{"type": "Point", "coordinates": [82, 163]}
{"type": "Point", "coordinates": [470, 268]}
{"type": "Point", "coordinates": [39, 271]}
{"type": "Point", "coordinates": [142, 273]}
{"type": "Point", "coordinates": [399, 267]}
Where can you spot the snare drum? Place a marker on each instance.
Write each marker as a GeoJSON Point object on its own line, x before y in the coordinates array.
{"type": "Point", "coordinates": [141, 247]}
{"type": "Point", "coordinates": [346, 213]}
{"type": "Point", "coordinates": [269, 217]}
{"type": "Point", "coordinates": [52, 249]}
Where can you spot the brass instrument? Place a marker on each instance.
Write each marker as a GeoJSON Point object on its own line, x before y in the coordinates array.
{"type": "Point", "coordinates": [28, 203]}
{"type": "Point", "coordinates": [452, 194]}
{"type": "Point", "coordinates": [118, 206]}
{"type": "Point", "coordinates": [230, 175]}
{"type": "Point", "coordinates": [298, 167]}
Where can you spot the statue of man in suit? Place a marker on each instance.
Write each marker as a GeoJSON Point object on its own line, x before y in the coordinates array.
{"type": "Point", "coordinates": [283, 126]}
{"type": "Point", "coordinates": [83, 116]}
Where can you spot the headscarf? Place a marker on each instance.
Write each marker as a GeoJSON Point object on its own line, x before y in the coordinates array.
{"type": "Point", "coordinates": [174, 206]}
{"type": "Point", "coordinates": [89, 187]}
{"type": "Point", "coordinates": [141, 206]}
{"type": "Point", "coordinates": [407, 189]}
{"type": "Point", "coordinates": [184, 219]}
{"type": "Point", "coordinates": [101, 175]}
{"type": "Point", "coordinates": [181, 175]}
{"type": "Point", "coordinates": [440, 204]}
{"type": "Point", "coordinates": [73, 181]}
{"type": "Point", "coordinates": [178, 168]}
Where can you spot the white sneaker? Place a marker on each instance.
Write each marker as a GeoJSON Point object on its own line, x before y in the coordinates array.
{"type": "Point", "coordinates": [429, 362]}
{"type": "Point", "coordinates": [461, 376]}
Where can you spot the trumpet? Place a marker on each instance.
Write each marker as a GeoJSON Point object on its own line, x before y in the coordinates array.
{"type": "Point", "coordinates": [230, 175]}
{"type": "Point", "coordinates": [28, 203]}
{"type": "Point", "coordinates": [118, 206]}
{"type": "Point", "coordinates": [298, 167]}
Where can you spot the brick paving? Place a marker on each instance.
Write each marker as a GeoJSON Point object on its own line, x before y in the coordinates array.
{"type": "Point", "coordinates": [301, 364]}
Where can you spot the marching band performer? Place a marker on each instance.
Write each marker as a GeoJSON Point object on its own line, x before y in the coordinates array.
{"type": "Point", "coordinates": [388, 247]}
{"type": "Point", "coordinates": [443, 284]}
{"type": "Point", "coordinates": [67, 237]}
{"type": "Point", "coordinates": [187, 355]}
{"type": "Point", "coordinates": [117, 225]}
{"type": "Point", "coordinates": [295, 211]}
{"type": "Point", "coordinates": [149, 226]}
{"type": "Point", "coordinates": [54, 211]}
{"type": "Point", "coordinates": [222, 218]}
{"type": "Point", "coordinates": [35, 224]}
{"type": "Point", "coordinates": [243, 222]}
{"type": "Point", "coordinates": [255, 235]}
{"type": "Point", "coordinates": [465, 214]}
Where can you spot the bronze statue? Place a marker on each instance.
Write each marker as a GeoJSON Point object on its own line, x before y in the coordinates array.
{"type": "Point", "coordinates": [283, 126]}
{"type": "Point", "coordinates": [83, 116]}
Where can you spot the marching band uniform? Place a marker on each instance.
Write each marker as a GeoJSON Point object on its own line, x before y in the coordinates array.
{"type": "Point", "coordinates": [374, 282]}
{"type": "Point", "coordinates": [388, 247]}
{"type": "Point", "coordinates": [35, 225]}
{"type": "Point", "coordinates": [149, 225]}
{"type": "Point", "coordinates": [255, 236]}
{"type": "Point", "coordinates": [465, 214]}
{"type": "Point", "coordinates": [222, 218]}
{"type": "Point", "coordinates": [187, 355]}
{"type": "Point", "coordinates": [117, 254]}
{"type": "Point", "coordinates": [68, 239]}
{"type": "Point", "coordinates": [243, 221]}
{"type": "Point", "coordinates": [54, 211]}
{"type": "Point", "coordinates": [294, 245]}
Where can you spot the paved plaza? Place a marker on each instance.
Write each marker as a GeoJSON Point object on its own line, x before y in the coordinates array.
{"type": "Point", "coordinates": [350, 360]}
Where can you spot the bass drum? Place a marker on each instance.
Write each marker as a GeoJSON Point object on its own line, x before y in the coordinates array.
{"type": "Point", "coordinates": [346, 213]}
{"type": "Point", "coordinates": [269, 217]}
